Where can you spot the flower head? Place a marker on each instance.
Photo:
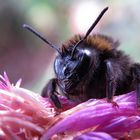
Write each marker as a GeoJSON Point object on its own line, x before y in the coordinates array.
{"type": "Point", "coordinates": [25, 115]}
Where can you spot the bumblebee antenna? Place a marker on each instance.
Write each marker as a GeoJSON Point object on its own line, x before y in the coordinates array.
{"type": "Point", "coordinates": [89, 30]}
{"type": "Point", "coordinates": [41, 37]}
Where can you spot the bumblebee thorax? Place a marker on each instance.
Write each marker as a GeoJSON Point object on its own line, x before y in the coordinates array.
{"type": "Point", "coordinates": [97, 41]}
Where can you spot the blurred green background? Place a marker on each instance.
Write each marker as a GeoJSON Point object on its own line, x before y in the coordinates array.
{"type": "Point", "coordinates": [22, 55]}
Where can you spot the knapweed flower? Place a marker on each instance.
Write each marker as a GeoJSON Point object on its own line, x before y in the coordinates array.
{"type": "Point", "coordinates": [25, 115]}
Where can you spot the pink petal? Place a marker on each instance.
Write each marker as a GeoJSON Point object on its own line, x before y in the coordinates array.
{"type": "Point", "coordinates": [94, 136]}
{"type": "Point", "coordinates": [21, 109]}
{"type": "Point", "coordinates": [99, 115]}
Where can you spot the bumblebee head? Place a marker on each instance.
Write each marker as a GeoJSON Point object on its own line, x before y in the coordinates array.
{"type": "Point", "coordinates": [72, 65]}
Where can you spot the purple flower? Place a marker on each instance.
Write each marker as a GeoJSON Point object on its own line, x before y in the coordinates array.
{"type": "Point", "coordinates": [25, 115]}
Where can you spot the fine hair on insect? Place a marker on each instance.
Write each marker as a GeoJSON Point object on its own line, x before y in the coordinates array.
{"type": "Point", "coordinates": [90, 66]}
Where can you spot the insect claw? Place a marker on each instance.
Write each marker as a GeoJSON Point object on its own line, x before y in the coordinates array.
{"type": "Point", "coordinates": [114, 104]}
{"type": "Point", "coordinates": [58, 111]}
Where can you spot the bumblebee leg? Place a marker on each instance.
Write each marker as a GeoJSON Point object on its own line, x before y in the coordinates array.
{"type": "Point", "coordinates": [136, 78]}
{"type": "Point", "coordinates": [50, 91]}
{"type": "Point", "coordinates": [110, 82]}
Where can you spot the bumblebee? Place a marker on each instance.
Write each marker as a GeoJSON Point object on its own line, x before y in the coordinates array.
{"type": "Point", "coordinates": [91, 66]}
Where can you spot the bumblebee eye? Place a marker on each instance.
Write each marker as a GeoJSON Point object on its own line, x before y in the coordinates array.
{"type": "Point", "coordinates": [77, 55]}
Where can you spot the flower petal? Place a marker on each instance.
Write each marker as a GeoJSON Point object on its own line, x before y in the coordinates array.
{"type": "Point", "coordinates": [94, 136]}
{"type": "Point", "coordinates": [98, 115]}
